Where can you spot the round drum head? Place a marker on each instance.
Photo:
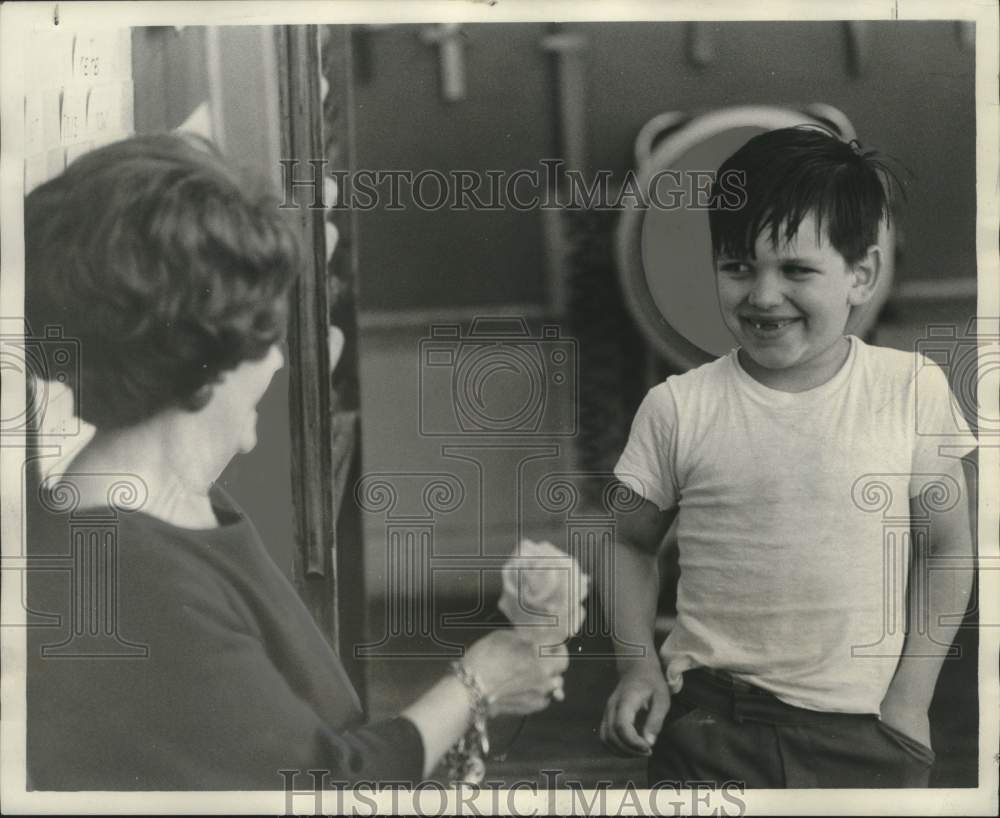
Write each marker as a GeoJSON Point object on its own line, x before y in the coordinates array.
{"type": "Point", "coordinates": [665, 251]}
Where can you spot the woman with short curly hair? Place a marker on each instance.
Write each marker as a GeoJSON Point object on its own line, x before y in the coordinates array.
{"type": "Point", "coordinates": [172, 276]}
{"type": "Point", "coordinates": [157, 259]}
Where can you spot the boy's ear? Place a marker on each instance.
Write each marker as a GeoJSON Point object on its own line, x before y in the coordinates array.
{"type": "Point", "coordinates": [865, 273]}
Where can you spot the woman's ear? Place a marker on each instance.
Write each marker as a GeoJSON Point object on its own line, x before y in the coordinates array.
{"type": "Point", "coordinates": [865, 274]}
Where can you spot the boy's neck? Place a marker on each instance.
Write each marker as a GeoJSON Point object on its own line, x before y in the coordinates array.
{"type": "Point", "coordinates": [801, 377]}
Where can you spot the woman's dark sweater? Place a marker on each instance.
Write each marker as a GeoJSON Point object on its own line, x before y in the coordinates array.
{"type": "Point", "coordinates": [229, 682]}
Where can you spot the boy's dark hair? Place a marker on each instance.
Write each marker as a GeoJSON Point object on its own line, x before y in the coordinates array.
{"type": "Point", "coordinates": [154, 255]}
{"type": "Point", "coordinates": [791, 172]}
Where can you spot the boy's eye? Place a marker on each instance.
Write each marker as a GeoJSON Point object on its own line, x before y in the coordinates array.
{"type": "Point", "coordinates": [734, 267]}
{"type": "Point", "coordinates": [798, 270]}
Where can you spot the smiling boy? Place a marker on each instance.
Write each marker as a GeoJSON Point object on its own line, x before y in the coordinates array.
{"type": "Point", "coordinates": [786, 666]}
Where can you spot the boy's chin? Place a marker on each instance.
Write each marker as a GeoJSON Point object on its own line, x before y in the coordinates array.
{"type": "Point", "coordinates": [771, 360]}
{"type": "Point", "coordinates": [801, 363]}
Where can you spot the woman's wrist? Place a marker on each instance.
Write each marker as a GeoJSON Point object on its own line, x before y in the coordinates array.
{"type": "Point", "coordinates": [467, 757]}
{"type": "Point", "coordinates": [479, 664]}
{"type": "Point", "coordinates": [479, 699]}
{"type": "Point", "coordinates": [441, 716]}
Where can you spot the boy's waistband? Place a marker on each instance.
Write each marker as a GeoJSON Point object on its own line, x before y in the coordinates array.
{"type": "Point", "coordinates": [722, 693]}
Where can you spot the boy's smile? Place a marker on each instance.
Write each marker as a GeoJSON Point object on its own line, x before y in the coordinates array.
{"type": "Point", "coordinates": [788, 306]}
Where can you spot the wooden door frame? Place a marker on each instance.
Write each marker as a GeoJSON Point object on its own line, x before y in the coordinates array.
{"type": "Point", "coordinates": [323, 407]}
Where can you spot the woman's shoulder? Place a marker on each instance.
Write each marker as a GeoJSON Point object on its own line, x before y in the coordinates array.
{"type": "Point", "coordinates": [153, 563]}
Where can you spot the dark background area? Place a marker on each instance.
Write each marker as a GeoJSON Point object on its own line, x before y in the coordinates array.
{"type": "Point", "coordinates": [912, 98]}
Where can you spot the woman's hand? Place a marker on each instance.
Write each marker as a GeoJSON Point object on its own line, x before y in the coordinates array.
{"type": "Point", "coordinates": [516, 679]}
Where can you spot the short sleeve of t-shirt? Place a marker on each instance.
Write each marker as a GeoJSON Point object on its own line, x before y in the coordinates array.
{"type": "Point", "coordinates": [942, 435]}
{"type": "Point", "coordinates": [648, 463]}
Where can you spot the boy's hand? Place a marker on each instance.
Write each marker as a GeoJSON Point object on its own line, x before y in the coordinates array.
{"type": "Point", "coordinates": [640, 688]}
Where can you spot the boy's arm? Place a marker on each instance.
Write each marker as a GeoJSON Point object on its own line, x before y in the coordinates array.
{"type": "Point", "coordinates": [944, 569]}
{"type": "Point", "coordinates": [634, 586]}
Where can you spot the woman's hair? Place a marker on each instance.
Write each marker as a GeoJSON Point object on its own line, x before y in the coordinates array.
{"type": "Point", "coordinates": [154, 255]}
{"type": "Point", "coordinates": [789, 173]}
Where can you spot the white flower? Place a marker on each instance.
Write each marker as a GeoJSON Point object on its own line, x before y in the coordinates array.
{"type": "Point", "coordinates": [543, 593]}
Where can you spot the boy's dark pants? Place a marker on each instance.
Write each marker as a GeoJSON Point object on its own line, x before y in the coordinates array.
{"type": "Point", "coordinates": [723, 730]}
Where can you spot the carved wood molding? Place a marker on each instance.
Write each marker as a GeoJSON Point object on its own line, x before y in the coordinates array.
{"type": "Point", "coordinates": [308, 388]}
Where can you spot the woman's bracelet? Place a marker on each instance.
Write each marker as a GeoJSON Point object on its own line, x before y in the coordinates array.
{"type": "Point", "coordinates": [466, 758]}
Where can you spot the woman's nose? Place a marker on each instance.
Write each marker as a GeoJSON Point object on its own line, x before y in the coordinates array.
{"type": "Point", "coordinates": [277, 357]}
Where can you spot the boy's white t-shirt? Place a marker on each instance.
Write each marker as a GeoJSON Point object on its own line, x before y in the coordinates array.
{"type": "Point", "coordinates": [794, 517]}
